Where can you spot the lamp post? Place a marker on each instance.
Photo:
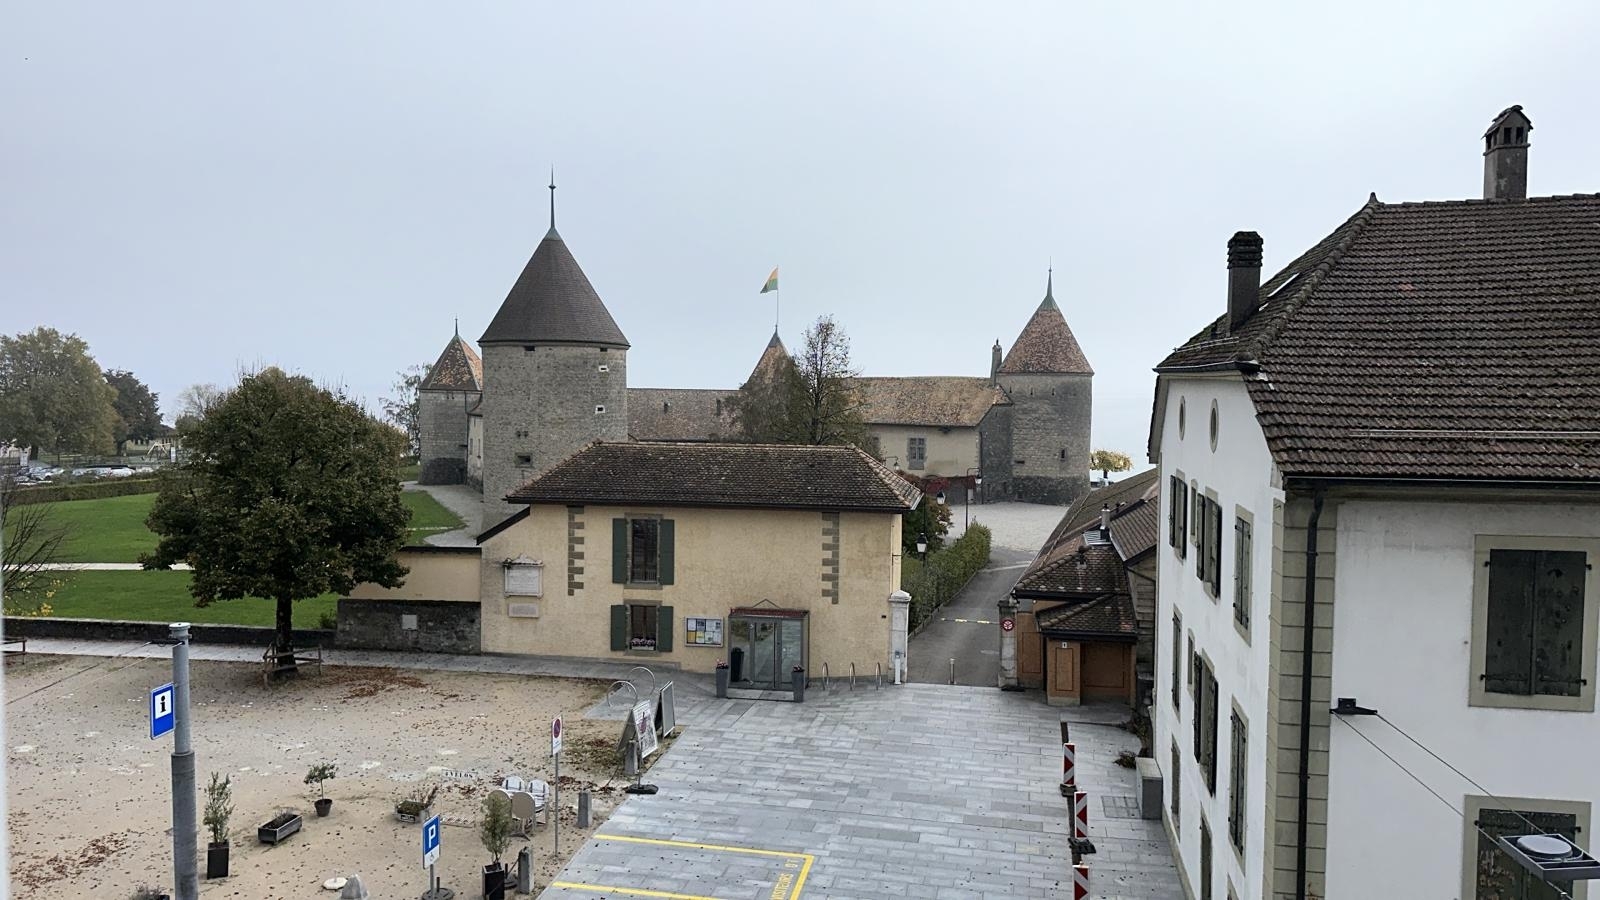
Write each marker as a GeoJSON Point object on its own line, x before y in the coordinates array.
{"type": "Point", "coordinates": [922, 546]}
{"type": "Point", "coordinates": [976, 477]}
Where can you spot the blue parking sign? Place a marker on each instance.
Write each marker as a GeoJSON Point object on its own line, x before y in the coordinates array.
{"type": "Point", "coordinates": [430, 841]}
{"type": "Point", "coordinates": [163, 712]}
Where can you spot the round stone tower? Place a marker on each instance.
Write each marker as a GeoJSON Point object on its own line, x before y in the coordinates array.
{"type": "Point", "coordinates": [555, 372]}
{"type": "Point", "coordinates": [1051, 387]}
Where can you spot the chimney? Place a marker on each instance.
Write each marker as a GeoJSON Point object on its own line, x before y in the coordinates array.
{"type": "Point", "coordinates": [1105, 520]}
{"type": "Point", "coordinates": [1505, 156]}
{"type": "Point", "coordinates": [994, 362]}
{"type": "Point", "coordinates": [1244, 277]}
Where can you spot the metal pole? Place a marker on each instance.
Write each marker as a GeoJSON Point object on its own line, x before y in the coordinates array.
{"type": "Point", "coordinates": [185, 842]}
{"type": "Point", "coordinates": [952, 670]}
{"type": "Point", "coordinates": [555, 803]}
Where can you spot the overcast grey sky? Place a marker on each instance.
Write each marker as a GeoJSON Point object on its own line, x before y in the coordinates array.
{"type": "Point", "coordinates": [193, 188]}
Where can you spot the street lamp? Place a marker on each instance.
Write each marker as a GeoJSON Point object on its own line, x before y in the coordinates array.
{"type": "Point", "coordinates": [977, 482]}
{"type": "Point", "coordinates": [922, 546]}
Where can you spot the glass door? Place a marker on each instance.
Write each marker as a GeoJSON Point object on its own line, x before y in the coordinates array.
{"type": "Point", "coordinates": [763, 650]}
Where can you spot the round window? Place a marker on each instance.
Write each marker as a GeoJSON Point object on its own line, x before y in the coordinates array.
{"type": "Point", "coordinates": [1181, 417]}
{"type": "Point", "coordinates": [1213, 426]}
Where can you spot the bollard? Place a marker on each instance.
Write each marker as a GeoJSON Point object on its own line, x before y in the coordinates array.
{"type": "Point", "coordinates": [852, 676]}
{"type": "Point", "coordinates": [1080, 815]}
{"type": "Point", "coordinates": [583, 809]}
{"type": "Point", "coordinates": [798, 682]}
{"type": "Point", "coordinates": [525, 871]}
{"type": "Point", "coordinates": [1069, 768]}
{"type": "Point", "coordinates": [952, 670]}
{"type": "Point", "coordinates": [1080, 883]}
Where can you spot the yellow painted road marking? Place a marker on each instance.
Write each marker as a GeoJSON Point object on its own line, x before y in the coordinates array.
{"type": "Point", "coordinates": [632, 892]}
{"type": "Point", "coordinates": [778, 892]}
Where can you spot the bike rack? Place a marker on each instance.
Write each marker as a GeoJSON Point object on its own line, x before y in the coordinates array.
{"type": "Point", "coordinates": [880, 676]}
{"type": "Point", "coordinates": [647, 672]}
{"type": "Point", "coordinates": [852, 676]}
{"type": "Point", "coordinates": [826, 685]}
{"type": "Point", "coordinates": [616, 688]}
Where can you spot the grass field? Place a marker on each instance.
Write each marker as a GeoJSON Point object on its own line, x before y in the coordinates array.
{"type": "Point", "coordinates": [113, 530]}
{"type": "Point", "coordinates": [164, 597]}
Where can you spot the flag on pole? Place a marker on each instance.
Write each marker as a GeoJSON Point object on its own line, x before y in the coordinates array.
{"type": "Point", "coordinates": [772, 281]}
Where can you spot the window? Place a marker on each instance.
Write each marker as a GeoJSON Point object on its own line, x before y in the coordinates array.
{"type": "Point", "coordinates": [642, 551]}
{"type": "Point", "coordinates": [1205, 860]}
{"type": "Point", "coordinates": [524, 459]}
{"type": "Point", "coordinates": [1182, 415]}
{"type": "Point", "coordinates": [1214, 423]}
{"type": "Point", "coordinates": [1205, 723]}
{"type": "Point", "coordinates": [1177, 786]}
{"type": "Point", "coordinates": [1177, 656]}
{"type": "Point", "coordinates": [916, 452]}
{"type": "Point", "coordinates": [1490, 873]}
{"type": "Point", "coordinates": [1208, 563]}
{"type": "Point", "coordinates": [1178, 515]}
{"type": "Point", "coordinates": [641, 626]}
{"type": "Point", "coordinates": [599, 409]}
{"type": "Point", "coordinates": [1236, 780]}
{"type": "Point", "coordinates": [1241, 572]}
{"type": "Point", "coordinates": [524, 577]}
{"type": "Point", "coordinates": [1533, 622]}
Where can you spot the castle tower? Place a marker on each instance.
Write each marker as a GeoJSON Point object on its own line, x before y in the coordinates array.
{"type": "Point", "coordinates": [555, 372]}
{"type": "Point", "coordinates": [1051, 388]}
{"type": "Point", "coordinates": [454, 385]}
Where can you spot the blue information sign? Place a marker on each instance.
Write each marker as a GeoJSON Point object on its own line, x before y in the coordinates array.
{"type": "Point", "coordinates": [163, 713]}
{"type": "Point", "coordinates": [430, 841]}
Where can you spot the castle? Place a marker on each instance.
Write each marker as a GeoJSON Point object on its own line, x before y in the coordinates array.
{"type": "Point", "coordinates": [553, 378]}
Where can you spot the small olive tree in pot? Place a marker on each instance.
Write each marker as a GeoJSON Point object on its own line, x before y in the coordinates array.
{"type": "Point", "coordinates": [319, 773]}
{"type": "Point", "coordinates": [495, 832]}
{"type": "Point", "coordinates": [219, 808]}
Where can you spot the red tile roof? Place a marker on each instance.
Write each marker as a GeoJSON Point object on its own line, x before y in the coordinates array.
{"type": "Point", "coordinates": [942, 400]}
{"type": "Point", "coordinates": [458, 368]}
{"type": "Point", "coordinates": [1046, 344]}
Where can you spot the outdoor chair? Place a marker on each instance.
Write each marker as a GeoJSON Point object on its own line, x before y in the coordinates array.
{"type": "Point", "coordinates": [525, 808]}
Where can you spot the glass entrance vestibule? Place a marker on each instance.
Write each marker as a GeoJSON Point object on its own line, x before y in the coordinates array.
{"type": "Point", "coordinates": [764, 646]}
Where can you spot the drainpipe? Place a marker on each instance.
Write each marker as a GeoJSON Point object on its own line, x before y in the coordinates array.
{"type": "Point", "coordinates": [1305, 698]}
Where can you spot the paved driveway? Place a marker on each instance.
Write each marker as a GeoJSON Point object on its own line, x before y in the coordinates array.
{"type": "Point", "coordinates": [921, 791]}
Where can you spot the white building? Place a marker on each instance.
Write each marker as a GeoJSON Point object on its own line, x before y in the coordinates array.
{"type": "Point", "coordinates": [1397, 439]}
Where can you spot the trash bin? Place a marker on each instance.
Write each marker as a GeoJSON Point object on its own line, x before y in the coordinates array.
{"type": "Point", "coordinates": [736, 665]}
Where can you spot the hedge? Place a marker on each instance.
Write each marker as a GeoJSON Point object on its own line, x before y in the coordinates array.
{"type": "Point", "coordinates": [946, 572]}
{"type": "Point", "coordinates": [87, 490]}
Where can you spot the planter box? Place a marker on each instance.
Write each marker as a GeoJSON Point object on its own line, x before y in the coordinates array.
{"type": "Point", "coordinates": [281, 826]}
{"type": "Point", "coordinates": [217, 860]}
{"type": "Point", "coordinates": [414, 818]}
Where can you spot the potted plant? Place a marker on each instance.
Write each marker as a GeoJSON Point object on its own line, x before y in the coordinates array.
{"type": "Point", "coordinates": [219, 807]}
{"type": "Point", "coordinates": [413, 807]}
{"type": "Point", "coordinates": [495, 832]}
{"type": "Point", "coordinates": [319, 773]}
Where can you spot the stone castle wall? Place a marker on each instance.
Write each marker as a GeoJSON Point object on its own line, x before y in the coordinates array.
{"type": "Point", "coordinates": [443, 419]}
{"type": "Point", "coordinates": [1051, 417]}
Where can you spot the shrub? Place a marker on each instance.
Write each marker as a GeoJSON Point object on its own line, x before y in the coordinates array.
{"type": "Point", "coordinates": [219, 807]}
{"type": "Point", "coordinates": [495, 829]}
{"type": "Point", "coordinates": [931, 584]}
{"type": "Point", "coordinates": [328, 622]}
{"type": "Point", "coordinates": [323, 771]}
{"type": "Point", "coordinates": [88, 490]}
{"type": "Point", "coordinates": [418, 799]}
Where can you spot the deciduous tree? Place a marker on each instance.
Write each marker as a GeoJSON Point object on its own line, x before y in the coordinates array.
{"type": "Point", "coordinates": [32, 546]}
{"type": "Point", "coordinates": [404, 409]}
{"type": "Point", "coordinates": [812, 400]}
{"type": "Point", "coordinates": [138, 414]}
{"type": "Point", "coordinates": [289, 491]}
{"type": "Point", "coordinates": [53, 395]}
{"type": "Point", "coordinates": [1108, 461]}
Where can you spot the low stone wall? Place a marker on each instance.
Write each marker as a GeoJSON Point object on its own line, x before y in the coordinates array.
{"type": "Point", "coordinates": [431, 626]}
{"type": "Point", "coordinates": [110, 630]}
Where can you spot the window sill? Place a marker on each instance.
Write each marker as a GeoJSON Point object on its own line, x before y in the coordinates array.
{"type": "Point", "coordinates": [1541, 702]}
{"type": "Point", "coordinates": [642, 585]}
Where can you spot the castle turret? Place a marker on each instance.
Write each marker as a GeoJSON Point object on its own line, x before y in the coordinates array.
{"type": "Point", "coordinates": [555, 372]}
{"type": "Point", "coordinates": [453, 387]}
{"type": "Point", "coordinates": [1050, 385]}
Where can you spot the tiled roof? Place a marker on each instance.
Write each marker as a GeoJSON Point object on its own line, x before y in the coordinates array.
{"type": "Point", "coordinates": [672, 414]}
{"type": "Point", "coordinates": [1046, 344]}
{"type": "Point", "coordinates": [458, 368]}
{"type": "Point", "coordinates": [772, 359]}
{"type": "Point", "coordinates": [1454, 340]}
{"type": "Point", "coordinates": [1086, 509]}
{"type": "Point", "coordinates": [1074, 567]}
{"type": "Point", "coordinates": [552, 302]}
{"type": "Point", "coordinates": [1136, 529]}
{"type": "Point", "coordinates": [1069, 563]}
{"type": "Point", "coordinates": [947, 401]}
{"type": "Point", "coordinates": [1109, 616]}
{"type": "Point", "coordinates": [762, 476]}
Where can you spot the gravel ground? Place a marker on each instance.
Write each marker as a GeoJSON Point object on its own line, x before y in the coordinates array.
{"type": "Point", "coordinates": [1015, 526]}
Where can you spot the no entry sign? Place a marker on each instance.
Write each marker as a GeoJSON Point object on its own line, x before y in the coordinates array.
{"type": "Point", "coordinates": [1007, 624]}
{"type": "Point", "coordinates": [555, 736]}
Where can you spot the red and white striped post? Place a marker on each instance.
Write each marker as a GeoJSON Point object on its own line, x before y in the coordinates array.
{"type": "Point", "coordinates": [1080, 815]}
{"type": "Point", "coordinates": [1069, 766]}
{"type": "Point", "coordinates": [1080, 883]}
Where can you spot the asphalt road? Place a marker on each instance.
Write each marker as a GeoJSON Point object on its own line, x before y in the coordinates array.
{"type": "Point", "coordinates": [975, 642]}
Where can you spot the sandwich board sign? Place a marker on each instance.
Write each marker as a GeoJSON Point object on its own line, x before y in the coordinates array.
{"type": "Point", "coordinates": [430, 841]}
{"type": "Point", "coordinates": [163, 712]}
{"type": "Point", "coordinates": [644, 719]}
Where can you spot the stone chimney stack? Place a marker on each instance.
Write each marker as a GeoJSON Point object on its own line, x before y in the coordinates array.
{"type": "Point", "coordinates": [1244, 277]}
{"type": "Point", "coordinates": [1105, 520]}
{"type": "Point", "coordinates": [994, 362]}
{"type": "Point", "coordinates": [1505, 156]}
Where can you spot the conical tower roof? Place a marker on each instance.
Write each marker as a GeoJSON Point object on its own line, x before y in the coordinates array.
{"type": "Point", "coordinates": [458, 368]}
{"type": "Point", "coordinates": [553, 303]}
{"type": "Point", "coordinates": [772, 359]}
{"type": "Point", "coordinates": [1046, 344]}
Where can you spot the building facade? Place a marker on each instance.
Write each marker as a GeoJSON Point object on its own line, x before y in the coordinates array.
{"type": "Point", "coordinates": [1381, 498]}
{"type": "Point", "coordinates": [452, 388]}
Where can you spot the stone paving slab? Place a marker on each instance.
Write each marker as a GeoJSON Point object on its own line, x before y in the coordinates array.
{"type": "Point", "coordinates": [919, 791]}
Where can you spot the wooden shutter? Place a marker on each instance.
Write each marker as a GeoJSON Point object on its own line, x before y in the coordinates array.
{"type": "Point", "coordinates": [1508, 644]}
{"type": "Point", "coordinates": [619, 627]}
{"type": "Point", "coordinates": [664, 541]}
{"type": "Point", "coordinates": [664, 629]}
{"type": "Point", "coordinates": [1211, 729]}
{"type": "Point", "coordinates": [619, 551]}
{"type": "Point", "coordinates": [1214, 546]}
{"type": "Point", "coordinates": [1558, 623]}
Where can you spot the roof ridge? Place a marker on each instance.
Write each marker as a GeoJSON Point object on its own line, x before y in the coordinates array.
{"type": "Point", "coordinates": [1329, 261]}
{"type": "Point", "coordinates": [1480, 201]}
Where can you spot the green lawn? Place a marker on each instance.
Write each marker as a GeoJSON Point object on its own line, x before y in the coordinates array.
{"type": "Point", "coordinates": [164, 597]}
{"type": "Point", "coordinates": [112, 529]}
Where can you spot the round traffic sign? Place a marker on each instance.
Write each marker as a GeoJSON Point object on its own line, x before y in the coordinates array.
{"type": "Point", "coordinates": [555, 727]}
{"type": "Point", "coordinates": [1007, 624]}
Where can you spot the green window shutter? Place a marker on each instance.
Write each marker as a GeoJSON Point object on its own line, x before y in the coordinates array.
{"type": "Point", "coordinates": [619, 551]}
{"type": "Point", "coordinates": [664, 629]}
{"type": "Point", "coordinates": [1508, 651]}
{"type": "Point", "coordinates": [619, 627]}
{"type": "Point", "coordinates": [665, 542]}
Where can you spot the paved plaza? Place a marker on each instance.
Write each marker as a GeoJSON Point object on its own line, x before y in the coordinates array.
{"type": "Point", "coordinates": [919, 791]}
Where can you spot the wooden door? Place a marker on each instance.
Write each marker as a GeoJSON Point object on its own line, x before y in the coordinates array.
{"type": "Point", "coordinates": [1106, 671]}
{"type": "Point", "coordinates": [1064, 680]}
